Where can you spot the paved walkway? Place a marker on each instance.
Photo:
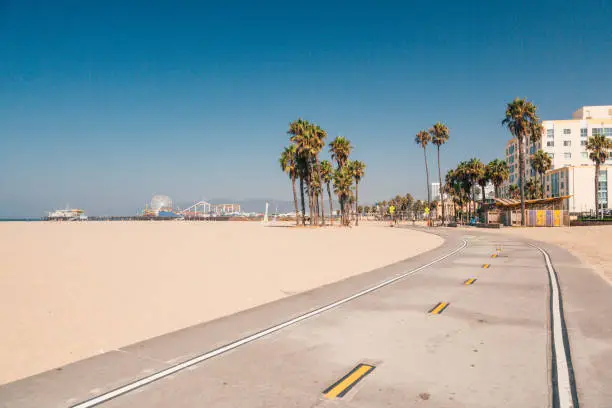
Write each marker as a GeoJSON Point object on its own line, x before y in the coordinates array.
{"type": "Point", "coordinates": [425, 339]}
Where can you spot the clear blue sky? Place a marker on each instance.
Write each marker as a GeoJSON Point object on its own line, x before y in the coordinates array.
{"type": "Point", "coordinates": [103, 103]}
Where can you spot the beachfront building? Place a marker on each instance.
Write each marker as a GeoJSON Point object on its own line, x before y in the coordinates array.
{"type": "Point", "coordinates": [578, 182]}
{"type": "Point", "coordinates": [435, 191]}
{"type": "Point", "coordinates": [565, 140]}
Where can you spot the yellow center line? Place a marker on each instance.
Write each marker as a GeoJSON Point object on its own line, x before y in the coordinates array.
{"type": "Point", "coordinates": [494, 256]}
{"type": "Point", "coordinates": [348, 381]}
{"type": "Point", "coordinates": [439, 308]}
{"type": "Point", "coordinates": [470, 281]}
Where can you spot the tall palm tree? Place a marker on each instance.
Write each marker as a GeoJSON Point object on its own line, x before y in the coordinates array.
{"type": "Point", "coordinates": [343, 181]}
{"type": "Point", "coordinates": [475, 170]}
{"type": "Point", "coordinates": [599, 147]}
{"type": "Point", "coordinates": [522, 121]}
{"type": "Point", "coordinates": [288, 163]}
{"type": "Point", "coordinates": [439, 136]}
{"type": "Point", "coordinates": [483, 179]}
{"type": "Point", "coordinates": [422, 139]}
{"type": "Point", "coordinates": [358, 170]}
{"type": "Point", "coordinates": [299, 136]}
{"type": "Point", "coordinates": [340, 149]}
{"type": "Point", "coordinates": [498, 172]}
{"type": "Point", "coordinates": [327, 173]}
{"type": "Point", "coordinates": [541, 162]}
{"type": "Point", "coordinates": [319, 143]}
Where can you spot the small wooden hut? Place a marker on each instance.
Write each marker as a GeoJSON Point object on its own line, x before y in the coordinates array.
{"type": "Point", "coordinates": [541, 212]}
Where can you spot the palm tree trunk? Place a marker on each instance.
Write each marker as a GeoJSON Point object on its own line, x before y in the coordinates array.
{"type": "Point", "coordinates": [542, 183]}
{"type": "Point", "coordinates": [522, 177]}
{"type": "Point", "coordinates": [295, 202]}
{"type": "Point", "coordinates": [496, 190]}
{"type": "Point", "coordinates": [483, 194]}
{"type": "Point", "coordinates": [331, 205]}
{"type": "Point", "coordinates": [441, 188]}
{"type": "Point", "coordinates": [596, 190]}
{"type": "Point", "coordinates": [356, 204]}
{"type": "Point", "coordinates": [321, 185]}
{"type": "Point", "coordinates": [428, 189]}
{"type": "Point", "coordinates": [303, 202]}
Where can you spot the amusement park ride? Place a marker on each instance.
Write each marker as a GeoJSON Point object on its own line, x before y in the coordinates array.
{"type": "Point", "coordinates": [203, 209]}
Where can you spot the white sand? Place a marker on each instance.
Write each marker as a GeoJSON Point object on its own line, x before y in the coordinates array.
{"type": "Point", "coordinates": [590, 244]}
{"type": "Point", "coordinates": [73, 290]}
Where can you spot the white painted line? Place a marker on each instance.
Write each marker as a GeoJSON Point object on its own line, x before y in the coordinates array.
{"type": "Point", "coordinates": [563, 371]}
{"type": "Point", "coordinates": [179, 367]}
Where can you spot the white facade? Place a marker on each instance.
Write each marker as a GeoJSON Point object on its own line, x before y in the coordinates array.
{"type": "Point", "coordinates": [435, 191]}
{"type": "Point", "coordinates": [579, 183]}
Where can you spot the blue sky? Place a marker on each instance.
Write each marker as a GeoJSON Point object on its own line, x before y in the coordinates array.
{"type": "Point", "coordinates": [103, 103]}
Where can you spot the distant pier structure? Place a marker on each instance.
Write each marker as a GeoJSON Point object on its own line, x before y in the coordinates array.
{"type": "Point", "coordinates": [203, 209]}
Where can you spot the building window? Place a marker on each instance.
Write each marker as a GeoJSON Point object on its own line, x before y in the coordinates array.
{"type": "Point", "coordinates": [583, 143]}
{"type": "Point", "coordinates": [584, 155]}
{"type": "Point", "coordinates": [547, 187]}
{"type": "Point", "coordinates": [567, 131]}
{"type": "Point", "coordinates": [550, 144]}
{"type": "Point", "coordinates": [552, 155]}
{"type": "Point", "coordinates": [596, 131]}
{"type": "Point", "coordinates": [567, 155]}
{"type": "Point", "coordinates": [567, 143]}
{"type": "Point", "coordinates": [603, 188]}
{"type": "Point", "coordinates": [550, 133]}
{"type": "Point", "coordinates": [608, 132]}
{"type": "Point", "coordinates": [562, 185]}
{"type": "Point", "coordinates": [583, 132]}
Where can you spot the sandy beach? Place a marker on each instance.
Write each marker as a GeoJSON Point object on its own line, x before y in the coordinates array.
{"type": "Point", "coordinates": [73, 290]}
{"type": "Point", "coordinates": [587, 243]}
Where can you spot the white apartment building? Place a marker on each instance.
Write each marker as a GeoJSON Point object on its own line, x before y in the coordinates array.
{"type": "Point", "coordinates": [435, 191]}
{"type": "Point", "coordinates": [565, 141]}
{"type": "Point", "coordinates": [579, 183]}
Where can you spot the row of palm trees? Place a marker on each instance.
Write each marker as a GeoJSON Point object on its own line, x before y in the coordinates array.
{"type": "Point", "coordinates": [438, 135]}
{"type": "Point", "coordinates": [301, 161]}
{"type": "Point", "coordinates": [461, 183]}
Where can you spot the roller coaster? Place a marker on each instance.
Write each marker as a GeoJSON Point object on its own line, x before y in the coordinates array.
{"type": "Point", "coordinates": [203, 209]}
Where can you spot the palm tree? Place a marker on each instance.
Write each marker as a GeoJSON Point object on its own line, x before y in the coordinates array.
{"type": "Point", "coordinates": [513, 191]}
{"type": "Point", "coordinates": [343, 181]}
{"type": "Point", "coordinates": [483, 179]}
{"type": "Point", "coordinates": [422, 139]}
{"type": "Point", "coordinates": [532, 189]}
{"type": "Point", "coordinates": [476, 170]}
{"type": "Point", "coordinates": [498, 172]}
{"type": "Point", "coordinates": [301, 138]}
{"type": "Point", "coordinates": [439, 136]}
{"type": "Point", "coordinates": [599, 147]}
{"type": "Point", "coordinates": [541, 163]}
{"type": "Point", "coordinates": [288, 164]}
{"type": "Point", "coordinates": [358, 170]}
{"type": "Point", "coordinates": [327, 173]}
{"type": "Point", "coordinates": [340, 149]}
{"type": "Point", "coordinates": [522, 121]}
{"type": "Point", "coordinates": [319, 135]}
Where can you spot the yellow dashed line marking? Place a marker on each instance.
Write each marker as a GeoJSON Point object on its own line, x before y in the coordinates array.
{"type": "Point", "coordinates": [470, 281]}
{"type": "Point", "coordinates": [343, 385]}
{"type": "Point", "coordinates": [494, 256]}
{"type": "Point", "coordinates": [486, 266]}
{"type": "Point", "coordinates": [439, 308]}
